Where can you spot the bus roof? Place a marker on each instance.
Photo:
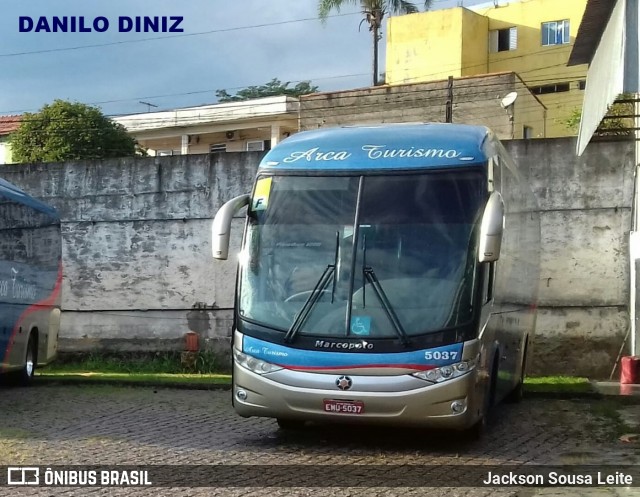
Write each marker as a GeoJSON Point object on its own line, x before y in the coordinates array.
{"type": "Point", "coordinates": [387, 146]}
{"type": "Point", "coordinates": [12, 192]}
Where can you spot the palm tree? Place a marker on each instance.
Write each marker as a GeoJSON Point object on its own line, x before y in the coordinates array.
{"type": "Point", "coordinates": [373, 11]}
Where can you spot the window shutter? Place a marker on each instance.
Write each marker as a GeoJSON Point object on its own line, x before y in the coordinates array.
{"type": "Point", "coordinates": [493, 41]}
{"type": "Point", "coordinates": [513, 38]}
{"type": "Point", "coordinates": [567, 32]}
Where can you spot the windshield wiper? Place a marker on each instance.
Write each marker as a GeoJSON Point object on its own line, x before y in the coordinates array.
{"type": "Point", "coordinates": [314, 296]}
{"type": "Point", "coordinates": [371, 277]}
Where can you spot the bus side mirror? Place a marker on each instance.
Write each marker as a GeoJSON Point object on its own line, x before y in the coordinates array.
{"type": "Point", "coordinates": [221, 226]}
{"type": "Point", "coordinates": [491, 229]}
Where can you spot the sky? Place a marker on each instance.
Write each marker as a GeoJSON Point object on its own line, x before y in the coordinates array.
{"type": "Point", "coordinates": [279, 39]}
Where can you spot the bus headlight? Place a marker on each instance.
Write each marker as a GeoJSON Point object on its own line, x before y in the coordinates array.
{"type": "Point", "coordinates": [444, 373]}
{"type": "Point", "coordinates": [252, 364]}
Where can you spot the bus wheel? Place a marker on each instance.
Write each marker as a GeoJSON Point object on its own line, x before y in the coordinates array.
{"type": "Point", "coordinates": [290, 424]}
{"type": "Point", "coordinates": [517, 393]}
{"type": "Point", "coordinates": [480, 427]}
{"type": "Point", "coordinates": [28, 370]}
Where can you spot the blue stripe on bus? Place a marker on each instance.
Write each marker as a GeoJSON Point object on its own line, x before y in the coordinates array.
{"type": "Point", "coordinates": [322, 359]}
{"type": "Point", "coordinates": [381, 147]}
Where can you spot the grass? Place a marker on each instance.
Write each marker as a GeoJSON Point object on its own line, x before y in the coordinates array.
{"type": "Point", "coordinates": [160, 368]}
{"type": "Point", "coordinates": [557, 384]}
{"type": "Point", "coordinates": [138, 378]}
{"type": "Point", "coordinates": [203, 362]}
{"type": "Point", "coordinates": [15, 433]}
{"type": "Point", "coordinates": [170, 368]}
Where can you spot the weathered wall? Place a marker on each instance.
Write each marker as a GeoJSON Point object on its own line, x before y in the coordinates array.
{"type": "Point", "coordinates": [139, 274]}
{"type": "Point", "coordinates": [476, 100]}
{"type": "Point", "coordinates": [138, 271]}
{"type": "Point", "coordinates": [585, 219]}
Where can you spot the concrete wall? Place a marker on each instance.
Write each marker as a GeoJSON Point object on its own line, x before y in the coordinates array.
{"type": "Point", "coordinates": [476, 101]}
{"type": "Point", "coordinates": [585, 220]}
{"type": "Point", "coordinates": [138, 271]}
{"type": "Point", "coordinates": [139, 274]}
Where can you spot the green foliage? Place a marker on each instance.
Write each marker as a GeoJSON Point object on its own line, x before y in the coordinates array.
{"type": "Point", "coordinates": [373, 12]}
{"type": "Point", "coordinates": [371, 7]}
{"type": "Point", "coordinates": [612, 124]}
{"type": "Point", "coordinates": [272, 88]}
{"type": "Point", "coordinates": [69, 131]}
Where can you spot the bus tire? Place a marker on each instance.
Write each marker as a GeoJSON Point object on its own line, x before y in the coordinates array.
{"type": "Point", "coordinates": [480, 427]}
{"type": "Point", "coordinates": [517, 393]}
{"type": "Point", "coordinates": [26, 374]}
{"type": "Point", "coordinates": [290, 424]}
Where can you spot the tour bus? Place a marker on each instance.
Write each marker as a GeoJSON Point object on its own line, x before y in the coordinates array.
{"type": "Point", "coordinates": [387, 274]}
{"type": "Point", "coordinates": [30, 282]}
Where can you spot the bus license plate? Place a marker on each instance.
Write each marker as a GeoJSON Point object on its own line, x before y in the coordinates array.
{"type": "Point", "coordinates": [344, 406]}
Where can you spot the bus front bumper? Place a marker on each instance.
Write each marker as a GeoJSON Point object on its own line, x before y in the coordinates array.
{"type": "Point", "coordinates": [429, 406]}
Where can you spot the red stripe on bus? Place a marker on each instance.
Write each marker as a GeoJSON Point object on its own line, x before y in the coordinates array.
{"type": "Point", "coordinates": [420, 367]}
{"type": "Point", "coordinates": [47, 302]}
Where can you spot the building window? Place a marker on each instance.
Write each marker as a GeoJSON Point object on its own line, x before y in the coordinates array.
{"type": "Point", "coordinates": [162, 153]}
{"type": "Point", "coordinates": [555, 88]}
{"type": "Point", "coordinates": [582, 85]}
{"type": "Point", "coordinates": [502, 40]}
{"type": "Point", "coordinates": [218, 147]}
{"type": "Point", "coordinates": [527, 132]}
{"type": "Point", "coordinates": [555, 33]}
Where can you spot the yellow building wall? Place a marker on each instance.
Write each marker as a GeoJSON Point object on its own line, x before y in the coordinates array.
{"type": "Point", "coordinates": [475, 44]}
{"type": "Point", "coordinates": [536, 64]}
{"type": "Point", "coordinates": [424, 48]}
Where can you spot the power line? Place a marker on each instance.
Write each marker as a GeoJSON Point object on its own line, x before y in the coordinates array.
{"type": "Point", "coordinates": [313, 113]}
{"type": "Point", "coordinates": [399, 97]}
{"type": "Point", "coordinates": [550, 79]}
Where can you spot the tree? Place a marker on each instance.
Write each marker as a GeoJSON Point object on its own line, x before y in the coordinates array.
{"type": "Point", "coordinates": [69, 131]}
{"type": "Point", "coordinates": [616, 121]}
{"type": "Point", "coordinates": [374, 12]}
{"type": "Point", "coordinates": [271, 89]}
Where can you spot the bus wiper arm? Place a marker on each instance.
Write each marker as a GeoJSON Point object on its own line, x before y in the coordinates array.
{"type": "Point", "coordinates": [315, 295]}
{"type": "Point", "coordinates": [386, 304]}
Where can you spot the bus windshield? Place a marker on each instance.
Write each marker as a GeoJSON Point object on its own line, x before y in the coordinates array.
{"type": "Point", "coordinates": [380, 256]}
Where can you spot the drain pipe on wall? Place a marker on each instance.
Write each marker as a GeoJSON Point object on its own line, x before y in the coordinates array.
{"type": "Point", "coordinates": [634, 236]}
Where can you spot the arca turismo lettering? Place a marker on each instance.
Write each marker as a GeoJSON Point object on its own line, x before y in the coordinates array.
{"type": "Point", "coordinates": [315, 154]}
{"type": "Point", "coordinates": [100, 24]}
{"type": "Point", "coordinates": [382, 152]}
{"type": "Point", "coordinates": [373, 152]}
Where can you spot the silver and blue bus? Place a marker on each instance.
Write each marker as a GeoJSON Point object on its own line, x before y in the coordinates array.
{"type": "Point", "coordinates": [30, 282]}
{"type": "Point", "coordinates": [387, 274]}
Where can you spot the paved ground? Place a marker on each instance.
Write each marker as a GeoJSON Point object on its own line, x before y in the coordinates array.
{"type": "Point", "coordinates": [53, 425]}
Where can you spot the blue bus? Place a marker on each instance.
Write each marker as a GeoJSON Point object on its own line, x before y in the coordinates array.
{"type": "Point", "coordinates": [30, 282]}
{"type": "Point", "coordinates": [388, 274]}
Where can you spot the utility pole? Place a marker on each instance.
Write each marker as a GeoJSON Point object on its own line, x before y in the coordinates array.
{"type": "Point", "coordinates": [148, 105]}
{"type": "Point", "coordinates": [449, 108]}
